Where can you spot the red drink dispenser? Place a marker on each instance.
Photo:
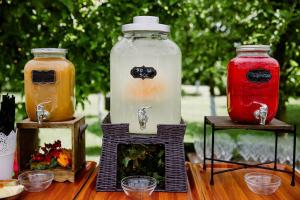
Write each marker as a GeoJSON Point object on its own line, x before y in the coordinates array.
{"type": "Point", "coordinates": [252, 85]}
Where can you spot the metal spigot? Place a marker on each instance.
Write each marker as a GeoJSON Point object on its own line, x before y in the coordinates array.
{"type": "Point", "coordinates": [41, 113]}
{"type": "Point", "coordinates": [261, 113]}
{"type": "Point", "coordinates": [143, 117]}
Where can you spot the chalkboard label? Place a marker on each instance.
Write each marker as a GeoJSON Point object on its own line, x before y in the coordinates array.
{"type": "Point", "coordinates": [259, 75]}
{"type": "Point", "coordinates": [43, 77]}
{"type": "Point", "coordinates": [143, 72]}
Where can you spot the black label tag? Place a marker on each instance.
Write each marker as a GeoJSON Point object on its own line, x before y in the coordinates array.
{"type": "Point", "coordinates": [143, 72]}
{"type": "Point", "coordinates": [43, 77]}
{"type": "Point", "coordinates": [259, 75]}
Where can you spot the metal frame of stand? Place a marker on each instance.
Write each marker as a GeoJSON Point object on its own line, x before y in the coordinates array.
{"type": "Point", "coordinates": [223, 122]}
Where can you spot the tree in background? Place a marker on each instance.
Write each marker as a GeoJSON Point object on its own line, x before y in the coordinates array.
{"type": "Point", "coordinates": [213, 30]}
{"type": "Point", "coordinates": [206, 31]}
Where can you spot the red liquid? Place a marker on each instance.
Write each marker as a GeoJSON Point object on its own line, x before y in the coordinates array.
{"type": "Point", "coordinates": [244, 93]}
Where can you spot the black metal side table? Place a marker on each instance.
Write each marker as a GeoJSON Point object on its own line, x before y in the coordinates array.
{"type": "Point", "coordinates": [224, 122]}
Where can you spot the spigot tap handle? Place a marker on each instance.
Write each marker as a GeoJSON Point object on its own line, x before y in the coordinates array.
{"type": "Point", "coordinates": [41, 113]}
{"type": "Point", "coordinates": [261, 113]}
{"type": "Point", "coordinates": [143, 117]}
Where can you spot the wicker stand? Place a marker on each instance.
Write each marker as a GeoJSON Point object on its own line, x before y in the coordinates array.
{"type": "Point", "coordinates": [171, 136]}
{"type": "Point", "coordinates": [28, 142]}
{"type": "Point", "coordinates": [224, 122]}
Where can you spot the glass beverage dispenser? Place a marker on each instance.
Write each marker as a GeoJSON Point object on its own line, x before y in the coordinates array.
{"type": "Point", "coordinates": [145, 77]}
{"type": "Point", "coordinates": [49, 85]}
{"type": "Point", "coordinates": [252, 85]}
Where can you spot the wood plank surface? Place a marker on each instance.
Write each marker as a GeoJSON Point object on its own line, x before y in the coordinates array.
{"type": "Point", "coordinates": [228, 186]}
{"type": "Point", "coordinates": [89, 192]}
{"type": "Point", "coordinates": [231, 185]}
{"type": "Point", "coordinates": [63, 191]}
{"type": "Point", "coordinates": [224, 122]}
{"type": "Point", "coordinates": [27, 123]}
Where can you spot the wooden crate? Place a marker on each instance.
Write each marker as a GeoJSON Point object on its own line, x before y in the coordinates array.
{"type": "Point", "coordinates": [28, 141]}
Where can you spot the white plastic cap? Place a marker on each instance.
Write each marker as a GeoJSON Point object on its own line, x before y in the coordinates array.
{"type": "Point", "coordinates": [49, 51]}
{"type": "Point", "coordinates": [258, 47]}
{"type": "Point", "coordinates": [146, 23]}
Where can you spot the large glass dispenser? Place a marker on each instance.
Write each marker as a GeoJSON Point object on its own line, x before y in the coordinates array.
{"type": "Point", "coordinates": [145, 77]}
{"type": "Point", "coordinates": [49, 80]}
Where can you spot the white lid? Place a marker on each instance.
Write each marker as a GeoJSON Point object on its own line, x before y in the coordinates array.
{"type": "Point", "coordinates": [258, 47]}
{"type": "Point", "coordinates": [146, 23]}
{"type": "Point", "coordinates": [49, 51]}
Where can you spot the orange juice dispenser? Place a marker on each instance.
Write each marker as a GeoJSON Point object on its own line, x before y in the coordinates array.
{"type": "Point", "coordinates": [49, 80]}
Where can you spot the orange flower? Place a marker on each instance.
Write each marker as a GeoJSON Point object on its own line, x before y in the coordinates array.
{"type": "Point", "coordinates": [64, 159]}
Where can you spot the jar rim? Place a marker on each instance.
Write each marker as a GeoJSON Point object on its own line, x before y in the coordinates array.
{"type": "Point", "coordinates": [253, 48]}
{"type": "Point", "coordinates": [146, 23]}
{"type": "Point", "coordinates": [49, 51]}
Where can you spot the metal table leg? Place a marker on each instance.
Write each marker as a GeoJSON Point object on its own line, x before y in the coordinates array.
{"type": "Point", "coordinates": [212, 155]}
{"type": "Point", "coordinates": [294, 157]}
{"type": "Point", "coordinates": [275, 158]}
{"type": "Point", "coordinates": [204, 145]}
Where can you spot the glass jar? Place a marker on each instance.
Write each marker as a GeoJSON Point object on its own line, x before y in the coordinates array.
{"type": "Point", "coordinates": [145, 77]}
{"type": "Point", "coordinates": [49, 80]}
{"type": "Point", "coordinates": [252, 85]}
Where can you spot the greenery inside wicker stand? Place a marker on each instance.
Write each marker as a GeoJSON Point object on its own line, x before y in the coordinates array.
{"type": "Point", "coordinates": [141, 159]}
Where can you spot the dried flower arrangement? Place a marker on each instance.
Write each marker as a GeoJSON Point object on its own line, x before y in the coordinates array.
{"type": "Point", "coordinates": [51, 156]}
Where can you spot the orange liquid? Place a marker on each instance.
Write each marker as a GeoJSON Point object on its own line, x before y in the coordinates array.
{"type": "Point", "coordinates": [58, 97]}
{"type": "Point", "coordinates": [144, 90]}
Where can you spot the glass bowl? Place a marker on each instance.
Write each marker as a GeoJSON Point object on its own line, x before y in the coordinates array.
{"type": "Point", "coordinates": [262, 183]}
{"type": "Point", "coordinates": [138, 187]}
{"type": "Point", "coordinates": [37, 180]}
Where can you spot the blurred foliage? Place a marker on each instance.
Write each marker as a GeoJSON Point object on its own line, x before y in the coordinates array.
{"type": "Point", "coordinates": [206, 31]}
{"type": "Point", "coordinates": [194, 129]}
{"type": "Point", "coordinates": [95, 128]}
{"type": "Point", "coordinates": [93, 151]}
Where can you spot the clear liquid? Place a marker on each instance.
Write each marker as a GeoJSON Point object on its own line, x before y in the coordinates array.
{"type": "Point", "coordinates": [162, 93]}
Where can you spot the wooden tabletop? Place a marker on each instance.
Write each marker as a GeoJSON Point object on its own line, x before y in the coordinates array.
{"type": "Point", "coordinates": [63, 191]}
{"type": "Point", "coordinates": [228, 186]}
{"type": "Point", "coordinates": [224, 122]}
{"type": "Point", "coordinates": [89, 192]}
{"type": "Point", "coordinates": [231, 185]}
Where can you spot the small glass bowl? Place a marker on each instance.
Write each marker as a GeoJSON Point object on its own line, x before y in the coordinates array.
{"type": "Point", "coordinates": [138, 187]}
{"type": "Point", "coordinates": [37, 180]}
{"type": "Point", "coordinates": [262, 183]}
